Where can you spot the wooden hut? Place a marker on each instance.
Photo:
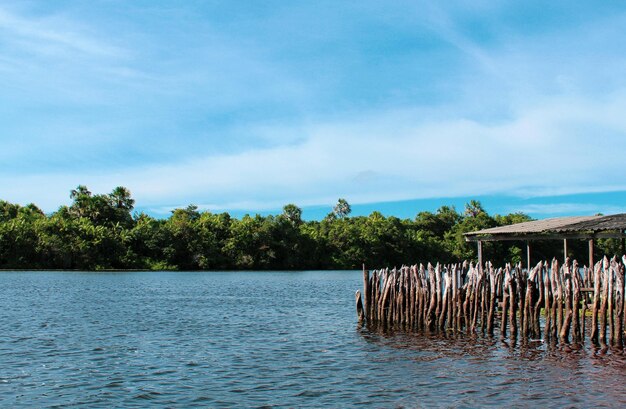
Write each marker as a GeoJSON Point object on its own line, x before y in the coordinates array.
{"type": "Point", "coordinates": [558, 228]}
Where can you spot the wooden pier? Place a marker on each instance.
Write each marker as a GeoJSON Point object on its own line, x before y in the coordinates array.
{"type": "Point", "coordinates": [549, 301]}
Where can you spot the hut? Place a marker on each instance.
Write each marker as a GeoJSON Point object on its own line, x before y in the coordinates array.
{"type": "Point", "coordinates": [559, 228]}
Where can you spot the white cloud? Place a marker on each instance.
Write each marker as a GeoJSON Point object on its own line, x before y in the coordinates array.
{"type": "Point", "coordinates": [534, 154]}
{"type": "Point", "coordinates": [518, 117]}
{"type": "Point", "coordinates": [52, 36]}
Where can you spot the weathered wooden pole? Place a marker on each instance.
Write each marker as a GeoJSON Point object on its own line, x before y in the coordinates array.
{"type": "Point", "coordinates": [400, 298]}
{"type": "Point", "coordinates": [567, 297]}
{"type": "Point", "coordinates": [438, 292]}
{"type": "Point", "coordinates": [424, 297]}
{"type": "Point", "coordinates": [559, 300]}
{"type": "Point", "coordinates": [528, 327]}
{"type": "Point", "coordinates": [547, 307]}
{"type": "Point", "coordinates": [411, 299]}
{"type": "Point", "coordinates": [493, 285]}
{"type": "Point", "coordinates": [505, 301]}
{"type": "Point", "coordinates": [538, 301]}
{"type": "Point", "coordinates": [367, 291]}
{"type": "Point", "coordinates": [359, 307]}
{"type": "Point", "coordinates": [468, 298]}
{"type": "Point", "coordinates": [375, 296]}
{"type": "Point", "coordinates": [447, 282]}
{"type": "Point", "coordinates": [618, 338]}
{"type": "Point", "coordinates": [384, 299]}
{"type": "Point", "coordinates": [576, 334]}
{"type": "Point", "coordinates": [476, 292]}
{"type": "Point", "coordinates": [612, 273]}
{"type": "Point", "coordinates": [604, 300]}
{"type": "Point", "coordinates": [590, 253]}
{"type": "Point", "coordinates": [513, 307]}
{"type": "Point", "coordinates": [484, 297]}
{"type": "Point", "coordinates": [453, 304]}
{"type": "Point", "coordinates": [564, 250]}
{"type": "Point", "coordinates": [597, 274]}
{"type": "Point", "coordinates": [450, 297]}
{"type": "Point", "coordinates": [520, 280]}
{"type": "Point", "coordinates": [432, 307]}
{"type": "Point", "coordinates": [554, 283]}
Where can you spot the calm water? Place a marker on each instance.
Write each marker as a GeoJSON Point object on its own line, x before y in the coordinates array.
{"type": "Point", "coordinates": [258, 339]}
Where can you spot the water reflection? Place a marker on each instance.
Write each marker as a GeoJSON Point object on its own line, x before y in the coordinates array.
{"type": "Point", "coordinates": [530, 373]}
{"type": "Point", "coordinates": [482, 347]}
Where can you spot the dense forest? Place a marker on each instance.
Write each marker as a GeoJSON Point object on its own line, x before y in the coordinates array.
{"type": "Point", "coordinates": [100, 231]}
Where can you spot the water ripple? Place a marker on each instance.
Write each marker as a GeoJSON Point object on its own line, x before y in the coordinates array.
{"type": "Point", "coordinates": [261, 340]}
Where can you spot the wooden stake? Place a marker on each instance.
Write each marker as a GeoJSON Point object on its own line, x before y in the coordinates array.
{"type": "Point", "coordinates": [597, 274]}
{"type": "Point", "coordinates": [567, 297]}
{"type": "Point", "coordinates": [493, 285]}
{"type": "Point", "coordinates": [619, 304]}
{"type": "Point", "coordinates": [612, 273]}
{"type": "Point", "coordinates": [604, 301]}
{"type": "Point", "coordinates": [513, 306]}
{"type": "Point", "coordinates": [576, 281]}
{"type": "Point", "coordinates": [548, 303]}
{"type": "Point", "coordinates": [539, 301]}
{"type": "Point", "coordinates": [359, 307]}
{"type": "Point", "coordinates": [367, 290]}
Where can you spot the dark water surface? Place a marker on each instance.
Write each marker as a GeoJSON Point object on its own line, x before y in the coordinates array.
{"type": "Point", "coordinates": [259, 339]}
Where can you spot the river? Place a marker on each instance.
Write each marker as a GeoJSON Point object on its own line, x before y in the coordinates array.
{"type": "Point", "coordinates": [260, 339]}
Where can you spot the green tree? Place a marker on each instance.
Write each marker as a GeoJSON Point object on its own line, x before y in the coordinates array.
{"type": "Point", "coordinates": [342, 209]}
{"type": "Point", "coordinates": [293, 214]}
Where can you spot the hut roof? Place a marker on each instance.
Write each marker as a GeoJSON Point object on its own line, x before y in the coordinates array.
{"type": "Point", "coordinates": [556, 228]}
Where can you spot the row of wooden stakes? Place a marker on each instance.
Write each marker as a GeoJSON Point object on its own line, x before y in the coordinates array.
{"type": "Point", "coordinates": [469, 298]}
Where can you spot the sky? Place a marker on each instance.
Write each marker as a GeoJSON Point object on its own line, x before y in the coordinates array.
{"type": "Point", "coordinates": [245, 106]}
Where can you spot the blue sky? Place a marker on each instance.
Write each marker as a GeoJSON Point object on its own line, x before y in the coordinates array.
{"type": "Point", "coordinates": [244, 106]}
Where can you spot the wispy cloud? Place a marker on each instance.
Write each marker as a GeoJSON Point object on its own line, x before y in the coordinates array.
{"type": "Point", "coordinates": [52, 36]}
{"type": "Point", "coordinates": [248, 110]}
{"type": "Point", "coordinates": [417, 160]}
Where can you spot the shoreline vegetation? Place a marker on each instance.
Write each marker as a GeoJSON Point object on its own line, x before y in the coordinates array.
{"type": "Point", "coordinates": [101, 232]}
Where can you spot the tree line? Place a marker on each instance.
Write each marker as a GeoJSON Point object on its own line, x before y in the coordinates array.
{"type": "Point", "coordinates": [101, 231]}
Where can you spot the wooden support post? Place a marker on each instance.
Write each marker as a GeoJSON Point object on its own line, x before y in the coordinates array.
{"type": "Point", "coordinates": [548, 306]}
{"type": "Point", "coordinates": [564, 250]}
{"type": "Point", "coordinates": [539, 300]}
{"type": "Point", "coordinates": [597, 274]}
{"type": "Point", "coordinates": [566, 298]}
{"type": "Point", "coordinates": [528, 256]}
{"type": "Point", "coordinates": [591, 253]}
{"type": "Point", "coordinates": [576, 284]}
{"type": "Point", "coordinates": [555, 310]}
{"type": "Point", "coordinates": [359, 307]}
{"type": "Point", "coordinates": [604, 303]}
{"type": "Point", "coordinates": [367, 292]}
{"type": "Point", "coordinates": [618, 337]}
{"type": "Point", "coordinates": [480, 255]}
{"type": "Point", "coordinates": [513, 304]}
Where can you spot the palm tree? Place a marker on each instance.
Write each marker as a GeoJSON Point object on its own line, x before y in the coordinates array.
{"type": "Point", "coordinates": [474, 208]}
{"type": "Point", "coordinates": [120, 198]}
{"type": "Point", "coordinates": [292, 213]}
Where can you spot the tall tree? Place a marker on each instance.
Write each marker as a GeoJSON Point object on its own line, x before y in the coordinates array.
{"type": "Point", "coordinates": [120, 196]}
{"type": "Point", "coordinates": [342, 208]}
{"type": "Point", "coordinates": [293, 214]}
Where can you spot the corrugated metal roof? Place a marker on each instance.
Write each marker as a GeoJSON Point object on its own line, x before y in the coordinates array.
{"type": "Point", "coordinates": [539, 226]}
